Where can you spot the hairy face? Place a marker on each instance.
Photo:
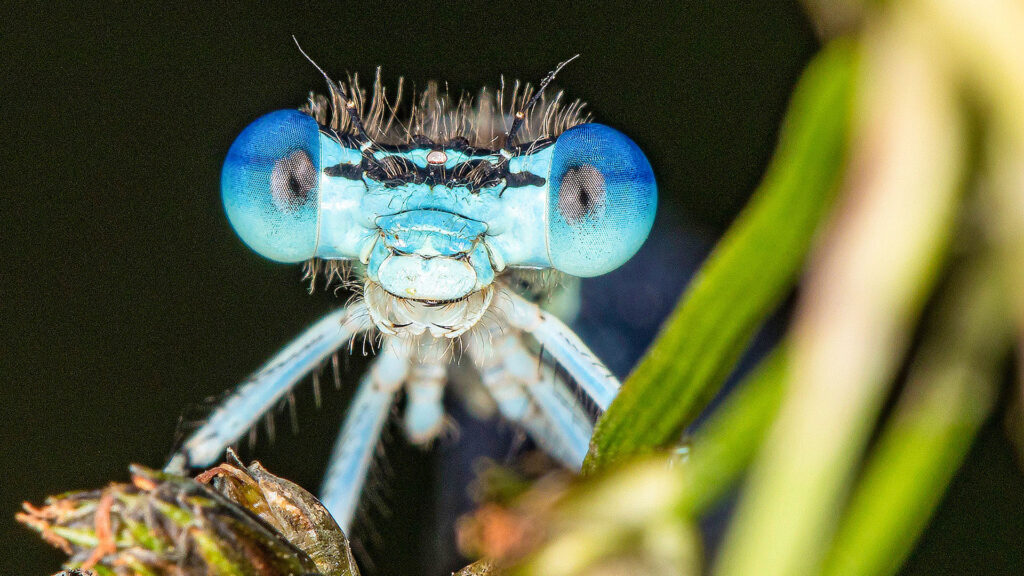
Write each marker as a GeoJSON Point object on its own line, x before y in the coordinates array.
{"type": "Point", "coordinates": [434, 203]}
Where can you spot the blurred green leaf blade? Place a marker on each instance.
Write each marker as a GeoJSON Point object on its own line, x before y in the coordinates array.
{"type": "Point", "coordinates": [950, 392]}
{"type": "Point", "coordinates": [751, 270]}
{"type": "Point", "coordinates": [727, 443]}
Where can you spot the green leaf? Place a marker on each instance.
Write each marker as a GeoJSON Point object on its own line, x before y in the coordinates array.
{"type": "Point", "coordinates": [859, 309]}
{"type": "Point", "coordinates": [726, 444]}
{"type": "Point", "coordinates": [950, 392]}
{"type": "Point", "coordinates": [751, 270]}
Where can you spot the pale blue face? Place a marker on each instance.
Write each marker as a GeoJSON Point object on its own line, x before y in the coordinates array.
{"type": "Point", "coordinates": [437, 221]}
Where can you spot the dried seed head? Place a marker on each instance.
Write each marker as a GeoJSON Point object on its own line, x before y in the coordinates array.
{"type": "Point", "coordinates": [166, 525]}
{"type": "Point", "coordinates": [289, 509]}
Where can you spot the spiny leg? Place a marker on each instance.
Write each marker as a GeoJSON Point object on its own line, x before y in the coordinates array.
{"type": "Point", "coordinates": [531, 394]}
{"type": "Point", "coordinates": [267, 386]}
{"type": "Point", "coordinates": [563, 345]}
{"type": "Point", "coordinates": [364, 421]}
{"type": "Point", "coordinates": [559, 423]}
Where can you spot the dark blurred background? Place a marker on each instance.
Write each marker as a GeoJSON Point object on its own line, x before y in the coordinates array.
{"type": "Point", "coordinates": [126, 297]}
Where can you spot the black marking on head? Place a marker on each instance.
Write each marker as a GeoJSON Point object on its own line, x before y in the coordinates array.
{"type": "Point", "coordinates": [580, 193]}
{"type": "Point", "coordinates": [390, 168]}
{"type": "Point", "coordinates": [292, 179]}
{"type": "Point", "coordinates": [347, 171]}
{"type": "Point", "coordinates": [488, 169]}
{"type": "Point", "coordinates": [520, 179]}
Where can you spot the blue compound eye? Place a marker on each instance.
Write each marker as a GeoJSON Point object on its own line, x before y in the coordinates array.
{"type": "Point", "coordinates": [601, 201]}
{"type": "Point", "coordinates": [270, 185]}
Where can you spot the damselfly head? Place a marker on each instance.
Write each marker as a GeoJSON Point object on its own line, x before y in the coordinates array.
{"type": "Point", "coordinates": [438, 198]}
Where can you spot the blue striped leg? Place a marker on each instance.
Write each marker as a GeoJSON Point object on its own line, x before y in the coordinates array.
{"type": "Point", "coordinates": [365, 418]}
{"type": "Point", "coordinates": [268, 386]}
{"type": "Point", "coordinates": [558, 422]}
{"type": "Point", "coordinates": [563, 345]}
{"type": "Point", "coordinates": [530, 394]}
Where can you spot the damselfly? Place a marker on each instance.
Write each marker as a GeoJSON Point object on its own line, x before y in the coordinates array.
{"type": "Point", "coordinates": [442, 210]}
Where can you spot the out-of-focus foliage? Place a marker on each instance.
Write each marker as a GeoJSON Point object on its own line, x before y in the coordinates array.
{"type": "Point", "coordinates": [751, 269]}
{"type": "Point", "coordinates": [619, 523]}
{"type": "Point", "coordinates": [949, 392]}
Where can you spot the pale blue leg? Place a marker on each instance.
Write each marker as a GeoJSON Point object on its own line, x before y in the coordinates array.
{"type": "Point", "coordinates": [572, 354]}
{"type": "Point", "coordinates": [564, 346]}
{"type": "Point", "coordinates": [512, 400]}
{"type": "Point", "coordinates": [559, 423]}
{"type": "Point", "coordinates": [504, 366]}
{"type": "Point", "coordinates": [424, 393]}
{"type": "Point", "coordinates": [268, 386]}
{"type": "Point", "coordinates": [365, 418]}
{"type": "Point", "coordinates": [532, 395]}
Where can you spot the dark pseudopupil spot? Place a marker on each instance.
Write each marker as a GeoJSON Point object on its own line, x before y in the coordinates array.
{"type": "Point", "coordinates": [580, 193]}
{"type": "Point", "coordinates": [293, 177]}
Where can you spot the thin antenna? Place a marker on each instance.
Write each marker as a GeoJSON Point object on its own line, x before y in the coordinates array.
{"type": "Point", "coordinates": [350, 103]}
{"type": "Point", "coordinates": [510, 140]}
